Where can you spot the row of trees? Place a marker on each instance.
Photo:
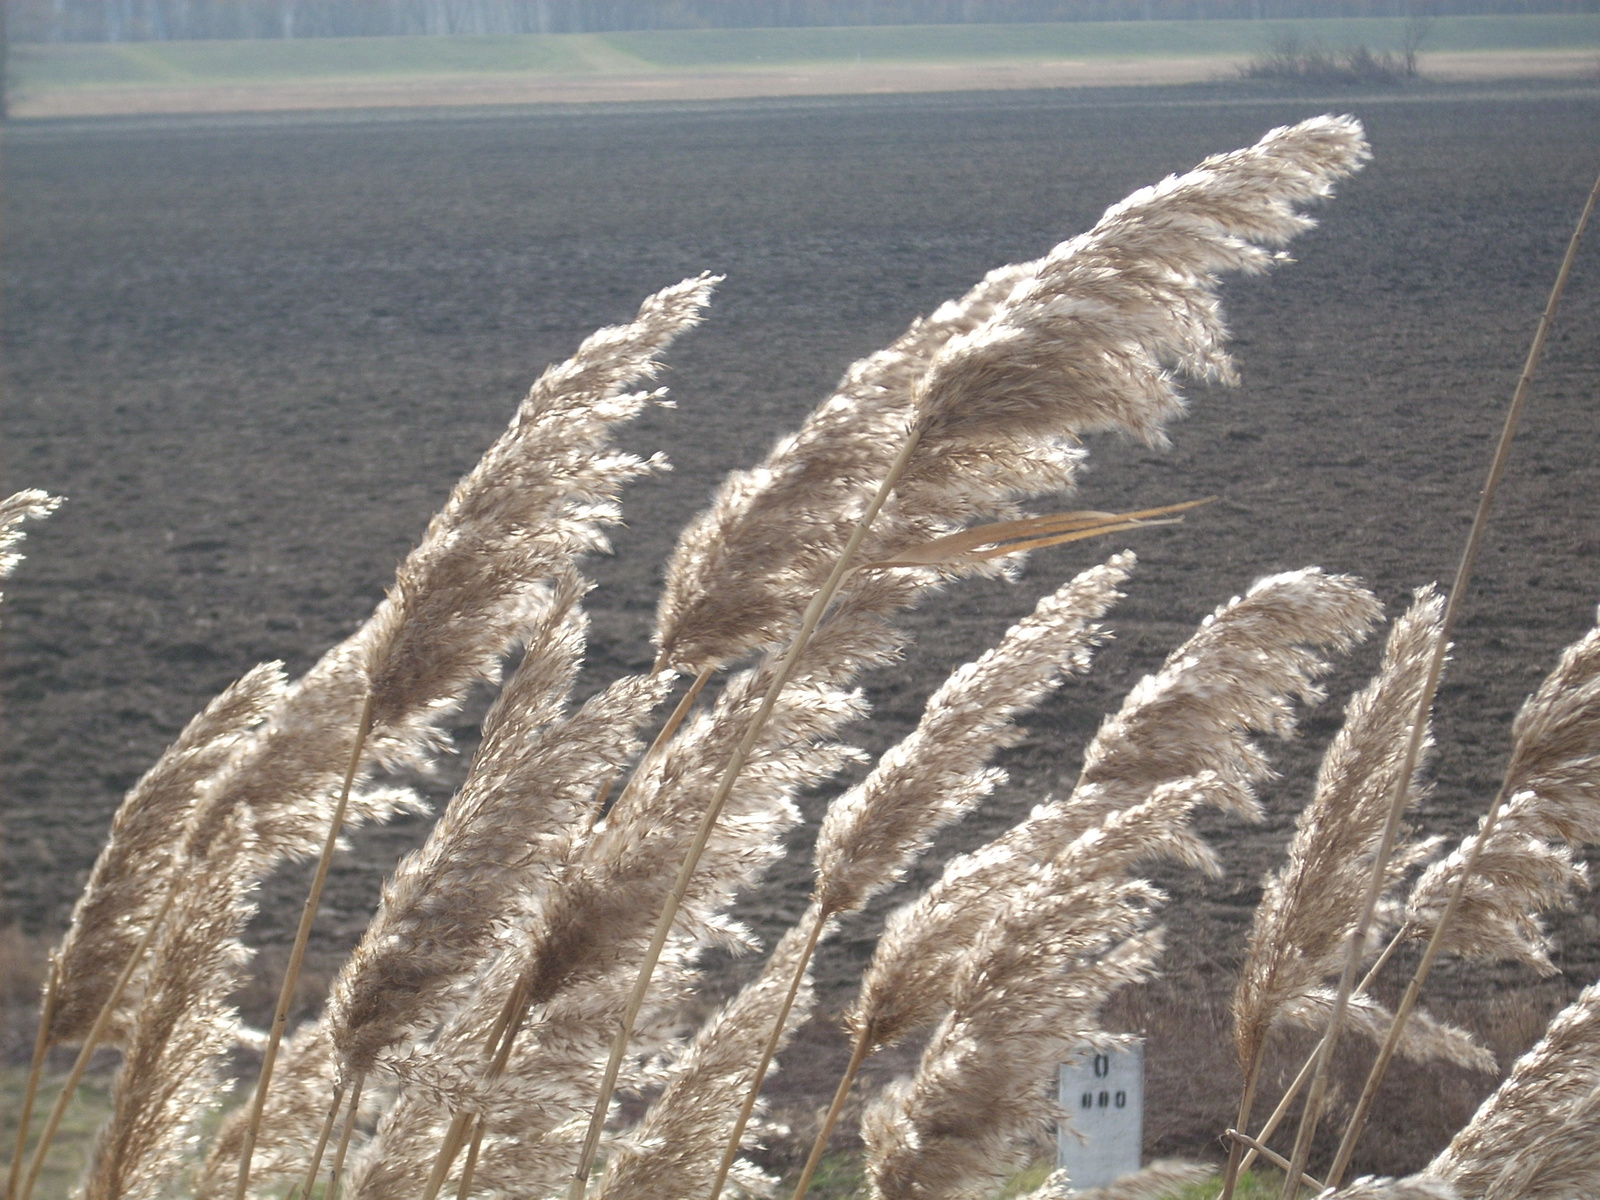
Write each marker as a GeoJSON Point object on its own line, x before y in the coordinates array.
{"type": "Point", "coordinates": [139, 20]}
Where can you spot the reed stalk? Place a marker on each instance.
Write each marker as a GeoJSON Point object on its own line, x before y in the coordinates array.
{"type": "Point", "coordinates": [323, 1134]}
{"type": "Point", "coordinates": [351, 1113]}
{"type": "Point", "coordinates": [1286, 1101]}
{"type": "Point", "coordinates": [91, 1042]}
{"type": "Point", "coordinates": [1436, 942]}
{"type": "Point", "coordinates": [470, 1167]}
{"type": "Point", "coordinates": [1480, 523]}
{"type": "Point", "coordinates": [1247, 1103]}
{"type": "Point", "coordinates": [820, 920]}
{"type": "Point", "coordinates": [1256, 1146]}
{"type": "Point", "coordinates": [30, 1091]}
{"type": "Point", "coordinates": [291, 974]}
{"type": "Point", "coordinates": [858, 1055]}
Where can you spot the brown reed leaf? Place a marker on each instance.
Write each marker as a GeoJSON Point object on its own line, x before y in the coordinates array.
{"type": "Point", "coordinates": [972, 546]}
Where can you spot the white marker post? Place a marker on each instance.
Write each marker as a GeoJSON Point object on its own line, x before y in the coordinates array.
{"type": "Point", "coordinates": [1102, 1095]}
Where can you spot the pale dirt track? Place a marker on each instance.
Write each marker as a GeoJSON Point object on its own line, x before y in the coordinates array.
{"type": "Point", "coordinates": [849, 80]}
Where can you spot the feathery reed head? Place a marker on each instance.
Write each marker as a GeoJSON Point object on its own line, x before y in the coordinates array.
{"type": "Point", "coordinates": [938, 773]}
{"type": "Point", "coordinates": [1310, 906]}
{"type": "Point", "coordinates": [1527, 865]}
{"type": "Point", "coordinates": [30, 504]}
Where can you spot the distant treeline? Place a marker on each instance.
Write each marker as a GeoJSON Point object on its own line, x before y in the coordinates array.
{"type": "Point", "coordinates": [141, 20]}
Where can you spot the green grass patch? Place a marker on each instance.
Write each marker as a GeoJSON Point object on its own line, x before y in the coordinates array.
{"type": "Point", "coordinates": [731, 48]}
{"type": "Point", "coordinates": [301, 59]}
{"type": "Point", "coordinates": [1264, 1184]}
{"type": "Point", "coordinates": [242, 63]}
{"type": "Point", "coordinates": [69, 1152]}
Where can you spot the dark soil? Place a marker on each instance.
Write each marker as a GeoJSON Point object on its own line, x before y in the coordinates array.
{"type": "Point", "coordinates": [256, 352]}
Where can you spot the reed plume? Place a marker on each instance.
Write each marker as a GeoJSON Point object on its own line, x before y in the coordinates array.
{"type": "Point", "coordinates": [468, 590]}
{"type": "Point", "coordinates": [1237, 675]}
{"type": "Point", "coordinates": [1310, 906]}
{"type": "Point", "coordinates": [451, 905]}
{"type": "Point", "coordinates": [30, 504]}
{"type": "Point", "coordinates": [1086, 343]}
{"type": "Point", "coordinates": [674, 1150]}
{"type": "Point", "coordinates": [746, 566]}
{"type": "Point", "coordinates": [939, 772]}
{"type": "Point", "coordinates": [1073, 351]}
{"type": "Point", "coordinates": [1526, 864]}
{"type": "Point", "coordinates": [1535, 1136]}
{"type": "Point", "coordinates": [128, 882]}
{"type": "Point", "coordinates": [584, 938]}
{"type": "Point", "coordinates": [996, 387]}
{"type": "Point", "coordinates": [1025, 988]}
{"type": "Point", "coordinates": [536, 775]}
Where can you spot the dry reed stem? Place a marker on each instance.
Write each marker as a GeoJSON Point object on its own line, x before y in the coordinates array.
{"type": "Point", "coordinates": [335, 1103]}
{"type": "Point", "coordinates": [781, 1027]}
{"type": "Point", "coordinates": [1258, 1147]}
{"type": "Point", "coordinates": [30, 1089]}
{"type": "Point", "coordinates": [1303, 1075]}
{"type": "Point", "coordinates": [336, 1172]}
{"type": "Point", "coordinates": [184, 1026]}
{"type": "Point", "coordinates": [858, 1054]}
{"type": "Point", "coordinates": [677, 1148]}
{"type": "Point", "coordinates": [297, 953]}
{"type": "Point", "coordinates": [1549, 804]}
{"type": "Point", "coordinates": [91, 1042]}
{"type": "Point", "coordinates": [1469, 555]}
